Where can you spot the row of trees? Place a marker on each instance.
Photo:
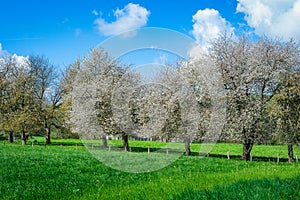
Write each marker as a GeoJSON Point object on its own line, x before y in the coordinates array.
{"type": "Point", "coordinates": [259, 81]}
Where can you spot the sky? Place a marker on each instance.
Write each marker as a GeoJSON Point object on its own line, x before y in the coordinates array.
{"type": "Point", "coordinates": [63, 30]}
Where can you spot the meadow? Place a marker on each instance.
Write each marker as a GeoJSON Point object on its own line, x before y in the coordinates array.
{"type": "Point", "coordinates": [64, 171]}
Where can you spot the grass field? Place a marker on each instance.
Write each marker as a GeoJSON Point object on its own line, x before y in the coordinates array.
{"type": "Point", "coordinates": [67, 172]}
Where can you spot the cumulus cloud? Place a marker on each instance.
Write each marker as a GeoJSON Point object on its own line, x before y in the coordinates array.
{"type": "Point", "coordinates": [132, 16]}
{"type": "Point", "coordinates": [208, 24]}
{"type": "Point", "coordinates": [277, 18]}
{"type": "Point", "coordinates": [18, 61]}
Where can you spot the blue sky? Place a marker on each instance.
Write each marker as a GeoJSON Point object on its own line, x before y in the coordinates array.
{"type": "Point", "coordinates": [62, 30]}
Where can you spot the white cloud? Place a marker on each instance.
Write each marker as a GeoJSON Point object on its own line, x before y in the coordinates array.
{"type": "Point", "coordinates": [276, 18]}
{"type": "Point", "coordinates": [132, 16]}
{"type": "Point", "coordinates": [208, 24]}
{"type": "Point", "coordinates": [19, 61]}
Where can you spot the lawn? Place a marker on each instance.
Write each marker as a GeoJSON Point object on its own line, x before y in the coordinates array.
{"type": "Point", "coordinates": [67, 172]}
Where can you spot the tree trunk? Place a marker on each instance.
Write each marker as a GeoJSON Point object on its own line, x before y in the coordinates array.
{"type": "Point", "coordinates": [48, 133]}
{"type": "Point", "coordinates": [290, 152]}
{"type": "Point", "coordinates": [187, 146]}
{"type": "Point", "coordinates": [10, 137]}
{"type": "Point", "coordinates": [125, 142]}
{"type": "Point", "coordinates": [24, 138]}
{"type": "Point", "coordinates": [247, 147]}
{"type": "Point", "coordinates": [104, 141]}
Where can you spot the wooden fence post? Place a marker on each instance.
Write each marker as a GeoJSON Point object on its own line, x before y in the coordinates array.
{"type": "Point", "coordinates": [228, 155]}
{"type": "Point", "coordinates": [278, 158]}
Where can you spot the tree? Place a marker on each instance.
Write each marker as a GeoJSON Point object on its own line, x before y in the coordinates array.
{"type": "Point", "coordinates": [181, 103]}
{"type": "Point", "coordinates": [47, 92]}
{"type": "Point", "coordinates": [19, 111]}
{"type": "Point", "coordinates": [24, 117]}
{"type": "Point", "coordinates": [250, 74]}
{"type": "Point", "coordinates": [90, 88]}
{"type": "Point", "coordinates": [286, 110]}
{"type": "Point", "coordinates": [29, 95]}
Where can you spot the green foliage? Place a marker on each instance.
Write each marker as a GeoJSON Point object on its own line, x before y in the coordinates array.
{"type": "Point", "coordinates": [285, 108]}
{"type": "Point", "coordinates": [29, 96]}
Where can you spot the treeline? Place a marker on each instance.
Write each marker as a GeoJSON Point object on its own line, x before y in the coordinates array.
{"type": "Point", "coordinates": [240, 90]}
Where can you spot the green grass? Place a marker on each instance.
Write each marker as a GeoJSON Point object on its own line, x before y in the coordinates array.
{"type": "Point", "coordinates": [52, 172]}
{"type": "Point", "coordinates": [256, 189]}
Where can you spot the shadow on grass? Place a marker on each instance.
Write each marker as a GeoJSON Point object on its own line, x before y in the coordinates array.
{"type": "Point", "coordinates": [96, 146]}
{"type": "Point", "coordinates": [136, 149]}
{"type": "Point", "coordinates": [56, 143]}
